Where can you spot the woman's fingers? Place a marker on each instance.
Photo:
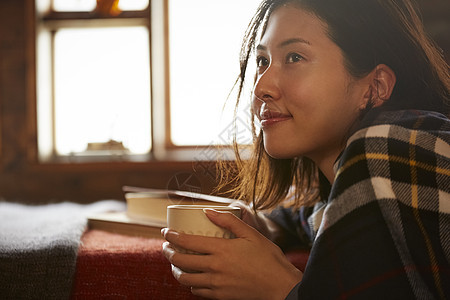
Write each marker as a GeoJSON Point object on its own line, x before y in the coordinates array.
{"type": "Point", "coordinates": [186, 261]}
{"type": "Point", "coordinates": [195, 243]}
{"type": "Point", "coordinates": [203, 292]}
{"type": "Point", "coordinates": [182, 249]}
{"type": "Point", "coordinates": [197, 280]}
{"type": "Point", "coordinates": [231, 223]}
{"type": "Point", "coordinates": [244, 264]}
{"type": "Point", "coordinates": [208, 245]}
{"type": "Point", "coordinates": [201, 284]}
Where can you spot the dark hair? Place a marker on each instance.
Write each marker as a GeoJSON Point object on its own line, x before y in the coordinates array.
{"type": "Point", "coordinates": [369, 33]}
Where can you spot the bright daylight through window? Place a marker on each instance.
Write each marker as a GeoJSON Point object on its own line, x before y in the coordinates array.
{"type": "Point", "coordinates": [205, 40]}
{"type": "Point", "coordinates": [106, 92]}
{"type": "Point", "coordinates": [94, 80]}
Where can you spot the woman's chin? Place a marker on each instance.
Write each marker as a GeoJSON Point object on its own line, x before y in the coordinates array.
{"type": "Point", "coordinates": [279, 153]}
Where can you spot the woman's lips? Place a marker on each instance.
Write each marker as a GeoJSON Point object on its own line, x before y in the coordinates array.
{"type": "Point", "coordinates": [268, 117]}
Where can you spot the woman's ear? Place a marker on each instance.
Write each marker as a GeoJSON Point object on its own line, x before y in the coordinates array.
{"type": "Point", "coordinates": [381, 84]}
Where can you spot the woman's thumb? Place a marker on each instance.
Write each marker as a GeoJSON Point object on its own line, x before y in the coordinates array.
{"type": "Point", "coordinates": [230, 222]}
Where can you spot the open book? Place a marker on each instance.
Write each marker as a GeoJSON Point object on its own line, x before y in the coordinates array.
{"type": "Point", "coordinates": [146, 211]}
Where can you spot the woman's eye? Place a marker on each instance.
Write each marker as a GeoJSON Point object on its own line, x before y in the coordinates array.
{"type": "Point", "coordinates": [293, 58]}
{"type": "Point", "coordinates": [261, 61]}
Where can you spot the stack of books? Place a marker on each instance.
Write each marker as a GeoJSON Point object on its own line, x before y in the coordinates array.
{"type": "Point", "coordinates": [146, 211]}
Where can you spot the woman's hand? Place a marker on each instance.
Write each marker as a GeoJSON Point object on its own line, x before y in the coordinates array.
{"type": "Point", "coordinates": [261, 222]}
{"type": "Point", "coordinates": [247, 267]}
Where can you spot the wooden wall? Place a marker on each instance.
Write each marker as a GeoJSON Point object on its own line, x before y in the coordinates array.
{"type": "Point", "coordinates": [22, 178]}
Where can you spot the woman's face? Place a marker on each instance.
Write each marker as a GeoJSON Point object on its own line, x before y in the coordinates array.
{"type": "Point", "coordinates": [306, 100]}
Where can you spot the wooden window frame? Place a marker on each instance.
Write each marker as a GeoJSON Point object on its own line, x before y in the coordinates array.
{"type": "Point", "coordinates": [156, 18]}
{"type": "Point", "coordinates": [52, 21]}
{"type": "Point", "coordinates": [24, 178]}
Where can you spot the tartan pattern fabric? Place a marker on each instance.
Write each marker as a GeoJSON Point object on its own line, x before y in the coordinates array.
{"type": "Point", "coordinates": [384, 231]}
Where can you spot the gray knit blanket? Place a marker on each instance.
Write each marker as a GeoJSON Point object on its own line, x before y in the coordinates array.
{"type": "Point", "coordinates": [39, 245]}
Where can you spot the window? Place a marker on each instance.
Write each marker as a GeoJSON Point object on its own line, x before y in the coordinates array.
{"type": "Point", "coordinates": [94, 80]}
{"type": "Point", "coordinates": [205, 39]}
{"type": "Point", "coordinates": [123, 79]}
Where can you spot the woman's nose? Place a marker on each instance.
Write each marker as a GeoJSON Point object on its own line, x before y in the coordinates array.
{"type": "Point", "coordinates": [267, 86]}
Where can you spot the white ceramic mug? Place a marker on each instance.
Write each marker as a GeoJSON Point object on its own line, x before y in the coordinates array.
{"type": "Point", "coordinates": [191, 219]}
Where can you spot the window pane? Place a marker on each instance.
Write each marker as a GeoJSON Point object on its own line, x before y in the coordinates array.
{"type": "Point", "coordinates": [89, 5]}
{"type": "Point", "coordinates": [74, 5]}
{"type": "Point", "coordinates": [133, 4]}
{"type": "Point", "coordinates": [102, 88]}
{"type": "Point", "coordinates": [204, 64]}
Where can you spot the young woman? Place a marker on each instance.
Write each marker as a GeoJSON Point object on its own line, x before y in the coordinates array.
{"type": "Point", "coordinates": [353, 103]}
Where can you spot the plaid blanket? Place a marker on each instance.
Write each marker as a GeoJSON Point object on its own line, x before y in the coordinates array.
{"type": "Point", "coordinates": [384, 232]}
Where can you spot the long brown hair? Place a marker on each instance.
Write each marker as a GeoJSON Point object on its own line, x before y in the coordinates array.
{"type": "Point", "coordinates": [369, 33]}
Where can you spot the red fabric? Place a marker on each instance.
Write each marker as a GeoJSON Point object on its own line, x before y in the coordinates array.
{"type": "Point", "coordinates": [298, 258]}
{"type": "Point", "coordinates": [115, 266]}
